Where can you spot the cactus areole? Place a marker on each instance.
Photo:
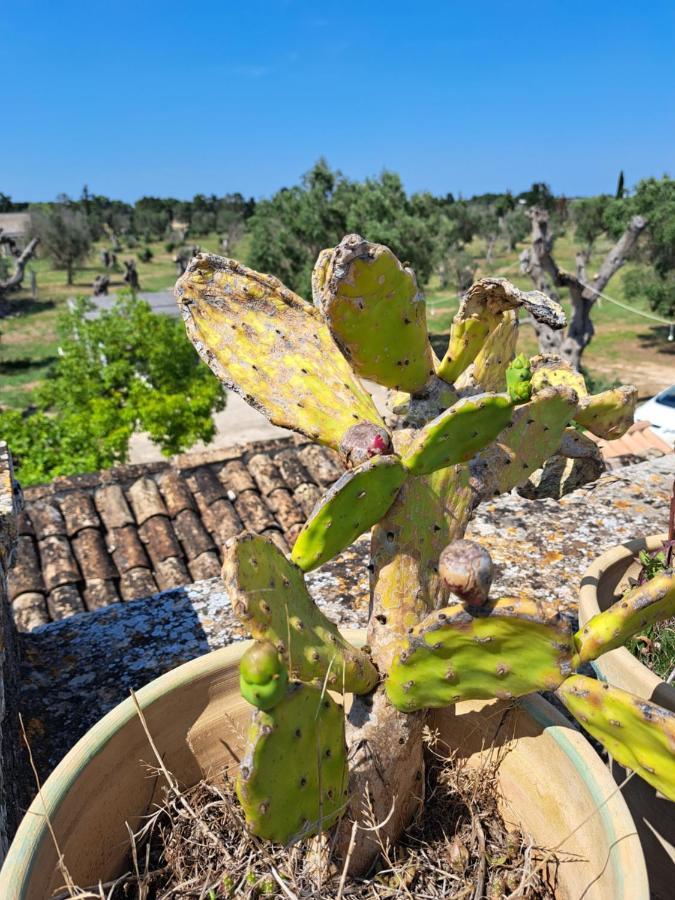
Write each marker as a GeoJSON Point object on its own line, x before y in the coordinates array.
{"type": "Point", "coordinates": [459, 431]}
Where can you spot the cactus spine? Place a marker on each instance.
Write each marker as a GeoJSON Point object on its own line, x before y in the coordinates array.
{"type": "Point", "coordinates": [475, 424]}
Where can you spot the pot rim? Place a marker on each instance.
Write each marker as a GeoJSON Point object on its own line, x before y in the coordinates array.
{"type": "Point", "coordinates": [589, 606]}
{"type": "Point", "coordinates": [16, 871]}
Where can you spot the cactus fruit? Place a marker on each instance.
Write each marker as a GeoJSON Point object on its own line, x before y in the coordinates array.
{"type": "Point", "coordinates": [458, 433]}
{"type": "Point", "coordinates": [466, 569]}
{"type": "Point", "coordinates": [481, 311]}
{"type": "Point", "coordinates": [644, 605]}
{"type": "Point", "coordinates": [637, 733]}
{"type": "Point", "coordinates": [273, 348]}
{"type": "Point", "coordinates": [610, 414]}
{"type": "Point", "coordinates": [508, 648]}
{"type": "Point", "coordinates": [362, 442]}
{"type": "Point", "coordinates": [262, 676]}
{"type": "Point", "coordinates": [293, 779]}
{"type": "Point", "coordinates": [552, 371]}
{"type": "Point", "coordinates": [375, 312]}
{"type": "Point", "coordinates": [519, 379]}
{"type": "Point", "coordinates": [269, 595]}
{"type": "Point", "coordinates": [533, 435]}
{"type": "Point", "coordinates": [358, 500]}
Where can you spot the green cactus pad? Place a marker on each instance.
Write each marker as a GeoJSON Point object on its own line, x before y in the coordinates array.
{"type": "Point", "coordinates": [488, 370]}
{"type": "Point", "coordinates": [481, 311]}
{"type": "Point", "coordinates": [639, 608]}
{"type": "Point", "coordinates": [458, 433]}
{"type": "Point", "coordinates": [549, 370]}
{"type": "Point", "coordinates": [428, 513]}
{"type": "Point", "coordinates": [533, 435]}
{"type": "Point", "coordinates": [637, 733]}
{"type": "Point", "coordinates": [505, 649]}
{"type": "Point", "coordinates": [376, 313]}
{"type": "Point", "coordinates": [273, 348]}
{"type": "Point", "coordinates": [262, 675]}
{"type": "Point", "coordinates": [293, 779]}
{"type": "Point", "coordinates": [352, 506]}
{"type": "Point", "coordinates": [610, 414]}
{"type": "Point", "coordinates": [519, 379]}
{"type": "Point", "coordinates": [269, 595]}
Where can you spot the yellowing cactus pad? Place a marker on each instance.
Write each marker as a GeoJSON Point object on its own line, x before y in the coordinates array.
{"type": "Point", "coordinates": [272, 347]}
{"type": "Point", "coordinates": [551, 371]}
{"type": "Point", "coordinates": [508, 648]}
{"type": "Point", "coordinates": [458, 433]}
{"type": "Point", "coordinates": [376, 313]}
{"type": "Point", "coordinates": [638, 734]}
{"type": "Point", "coordinates": [481, 311]}
{"type": "Point", "coordinates": [353, 505]}
{"type": "Point", "coordinates": [610, 414]}
{"type": "Point", "coordinates": [293, 779]}
{"type": "Point", "coordinates": [269, 595]}
{"type": "Point", "coordinates": [641, 607]}
{"type": "Point", "coordinates": [533, 435]}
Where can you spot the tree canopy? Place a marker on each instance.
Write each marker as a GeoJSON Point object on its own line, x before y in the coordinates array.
{"type": "Point", "coordinates": [126, 370]}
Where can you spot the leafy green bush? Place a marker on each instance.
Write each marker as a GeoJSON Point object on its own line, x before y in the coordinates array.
{"type": "Point", "coordinates": [145, 254]}
{"type": "Point", "coordinates": [127, 370]}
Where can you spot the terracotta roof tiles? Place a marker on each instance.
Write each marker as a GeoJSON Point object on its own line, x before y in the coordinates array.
{"type": "Point", "coordinates": [92, 540]}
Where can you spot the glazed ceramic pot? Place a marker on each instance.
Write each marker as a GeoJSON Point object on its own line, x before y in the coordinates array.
{"type": "Point", "coordinates": [551, 780]}
{"type": "Point", "coordinates": [604, 583]}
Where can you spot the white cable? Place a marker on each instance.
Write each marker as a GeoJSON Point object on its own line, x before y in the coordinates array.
{"type": "Point", "coordinates": [638, 312]}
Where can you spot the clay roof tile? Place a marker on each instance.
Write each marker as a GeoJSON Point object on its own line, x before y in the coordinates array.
{"type": "Point", "coordinates": [266, 474]}
{"type": "Point", "coordinates": [113, 507]}
{"type": "Point", "coordinates": [235, 477]}
{"type": "Point", "coordinates": [175, 491]}
{"type": "Point", "coordinates": [78, 512]}
{"type": "Point", "coordinates": [146, 500]}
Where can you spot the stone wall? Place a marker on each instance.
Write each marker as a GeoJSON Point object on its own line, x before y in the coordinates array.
{"type": "Point", "coordinates": [9, 738]}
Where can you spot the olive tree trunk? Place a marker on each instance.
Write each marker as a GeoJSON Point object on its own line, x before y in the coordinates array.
{"type": "Point", "coordinates": [537, 261]}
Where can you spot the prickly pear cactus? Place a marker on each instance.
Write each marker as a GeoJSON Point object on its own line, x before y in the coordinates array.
{"type": "Point", "coordinates": [353, 505]}
{"type": "Point", "coordinates": [475, 424]}
{"type": "Point", "coordinates": [519, 379]}
{"type": "Point", "coordinates": [262, 675]}
{"type": "Point", "coordinates": [293, 780]}
{"type": "Point", "coordinates": [650, 602]}
{"type": "Point", "coordinates": [639, 735]}
{"type": "Point", "coordinates": [506, 649]}
{"type": "Point", "coordinates": [269, 595]}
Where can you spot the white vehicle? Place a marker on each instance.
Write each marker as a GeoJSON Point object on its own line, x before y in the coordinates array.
{"type": "Point", "coordinates": [660, 413]}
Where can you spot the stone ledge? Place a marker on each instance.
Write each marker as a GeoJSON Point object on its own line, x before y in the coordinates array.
{"type": "Point", "coordinates": [77, 669]}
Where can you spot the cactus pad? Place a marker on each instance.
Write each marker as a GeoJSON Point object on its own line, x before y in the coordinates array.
{"type": "Point", "coordinates": [376, 313]}
{"type": "Point", "coordinates": [358, 500]}
{"type": "Point", "coordinates": [269, 595]}
{"type": "Point", "coordinates": [508, 648]}
{"type": "Point", "coordinates": [519, 379]}
{"type": "Point", "coordinates": [488, 370]}
{"type": "Point", "coordinates": [292, 782]}
{"type": "Point", "coordinates": [262, 676]}
{"type": "Point", "coordinates": [481, 311]}
{"type": "Point", "coordinates": [638, 734]}
{"type": "Point", "coordinates": [533, 435]}
{"type": "Point", "coordinates": [428, 513]}
{"type": "Point", "coordinates": [610, 414]}
{"type": "Point", "coordinates": [458, 433]}
{"type": "Point", "coordinates": [549, 370]}
{"type": "Point", "coordinates": [648, 603]}
{"type": "Point", "coordinates": [273, 348]}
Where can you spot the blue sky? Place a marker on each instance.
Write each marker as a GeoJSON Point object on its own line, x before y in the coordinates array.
{"type": "Point", "coordinates": [171, 98]}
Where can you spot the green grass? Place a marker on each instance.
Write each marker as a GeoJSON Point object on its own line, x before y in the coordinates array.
{"type": "Point", "coordinates": [28, 336]}
{"type": "Point", "coordinates": [655, 647]}
{"type": "Point", "coordinates": [625, 347]}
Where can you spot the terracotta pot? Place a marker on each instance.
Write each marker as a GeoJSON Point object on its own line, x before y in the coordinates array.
{"type": "Point", "coordinates": [605, 582]}
{"type": "Point", "coordinates": [552, 781]}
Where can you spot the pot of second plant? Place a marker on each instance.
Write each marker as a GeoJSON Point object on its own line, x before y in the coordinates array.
{"type": "Point", "coordinates": [553, 784]}
{"type": "Point", "coordinates": [605, 583]}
